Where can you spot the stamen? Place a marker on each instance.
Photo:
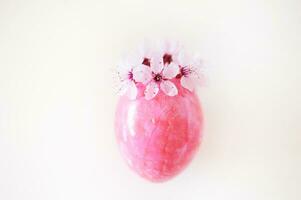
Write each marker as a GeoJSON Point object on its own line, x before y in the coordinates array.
{"type": "Point", "coordinates": [167, 59]}
{"type": "Point", "coordinates": [158, 77]}
{"type": "Point", "coordinates": [146, 61]}
{"type": "Point", "coordinates": [184, 71]}
{"type": "Point", "coordinates": [130, 75]}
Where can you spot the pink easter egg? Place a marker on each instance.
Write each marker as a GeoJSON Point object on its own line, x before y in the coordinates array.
{"type": "Point", "coordinates": [159, 137]}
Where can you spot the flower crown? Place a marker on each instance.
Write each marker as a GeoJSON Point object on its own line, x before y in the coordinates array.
{"type": "Point", "coordinates": [158, 70]}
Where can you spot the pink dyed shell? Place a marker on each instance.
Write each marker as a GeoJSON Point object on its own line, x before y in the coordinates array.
{"type": "Point", "coordinates": [159, 137]}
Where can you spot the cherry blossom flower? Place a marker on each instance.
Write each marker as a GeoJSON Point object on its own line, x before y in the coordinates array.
{"type": "Point", "coordinates": [159, 75]}
{"type": "Point", "coordinates": [132, 70]}
{"type": "Point", "coordinates": [190, 72]}
{"type": "Point", "coordinates": [127, 82]}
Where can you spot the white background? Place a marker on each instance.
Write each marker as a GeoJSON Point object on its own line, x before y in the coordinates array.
{"type": "Point", "coordinates": [57, 98]}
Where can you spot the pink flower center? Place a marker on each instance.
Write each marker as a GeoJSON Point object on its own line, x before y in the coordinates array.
{"type": "Point", "coordinates": [158, 77]}
{"type": "Point", "coordinates": [130, 75]}
{"type": "Point", "coordinates": [167, 59]}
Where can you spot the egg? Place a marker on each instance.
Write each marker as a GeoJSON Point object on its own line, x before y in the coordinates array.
{"type": "Point", "coordinates": [158, 138]}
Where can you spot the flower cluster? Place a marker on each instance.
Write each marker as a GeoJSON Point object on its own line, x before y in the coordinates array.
{"type": "Point", "coordinates": [158, 70]}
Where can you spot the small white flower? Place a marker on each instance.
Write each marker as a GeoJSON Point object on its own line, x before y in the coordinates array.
{"type": "Point", "coordinates": [127, 82]}
{"type": "Point", "coordinates": [158, 77]}
{"type": "Point", "coordinates": [135, 69]}
{"type": "Point", "coordinates": [189, 72]}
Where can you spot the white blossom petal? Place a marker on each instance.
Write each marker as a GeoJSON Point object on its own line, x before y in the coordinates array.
{"type": "Point", "coordinates": [122, 74]}
{"type": "Point", "coordinates": [183, 59]}
{"type": "Point", "coordinates": [161, 46]}
{"type": "Point", "coordinates": [173, 47]}
{"type": "Point", "coordinates": [124, 85]}
{"type": "Point", "coordinates": [187, 83]}
{"type": "Point", "coordinates": [123, 69]}
{"type": "Point", "coordinates": [168, 46]}
{"type": "Point", "coordinates": [151, 90]}
{"type": "Point", "coordinates": [157, 68]}
{"type": "Point", "coordinates": [132, 90]}
{"type": "Point", "coordinates": [157, 64]}
{"type": "Point", "coordinates": [142, 74]}
{"type": "Point", "coordinates": [145, 50]}
{"type": "Point", "coordinates": [197, 60]}
{"type": "Point", "coordinates": [170, 71]}
{"type": "Point", "coordinates": [169, 88]}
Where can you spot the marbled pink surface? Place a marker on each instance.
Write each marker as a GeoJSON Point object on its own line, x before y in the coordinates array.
{"type": "Point", "coordinates": [159, 137]}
